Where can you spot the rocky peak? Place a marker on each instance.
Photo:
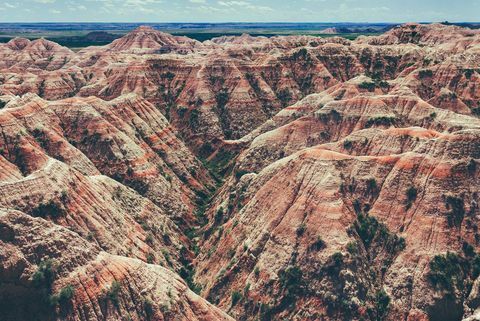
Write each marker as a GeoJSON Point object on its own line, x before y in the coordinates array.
{"type": "Point", "coordinates": [147, 39]}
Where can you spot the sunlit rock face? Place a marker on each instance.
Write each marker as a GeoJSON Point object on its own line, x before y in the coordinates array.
{"type": "Point", "coordinates": [283, 178]}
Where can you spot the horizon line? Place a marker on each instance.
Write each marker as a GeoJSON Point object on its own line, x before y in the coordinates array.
{"type": "Point", "coordinates": [239, 22]}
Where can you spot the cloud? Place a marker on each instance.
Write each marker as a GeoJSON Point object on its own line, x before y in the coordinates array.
{"type": "Point", "coordinates": [197, 1]}
{"type": "Point", "coordinates": [244, 4]}
{"type": "Point", "coordinates": [44, 1]}
{"type": "Point", "coordinates": [55, 11]}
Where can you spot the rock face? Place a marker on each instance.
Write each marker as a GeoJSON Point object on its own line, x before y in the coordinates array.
{"type": "Point", "coordinates": [82, 282]}
{"type": "Point", "coordinates": [284, 178]}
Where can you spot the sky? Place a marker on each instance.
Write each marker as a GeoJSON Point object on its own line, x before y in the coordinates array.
{"type": "Point", "coordinates": [239, 10]}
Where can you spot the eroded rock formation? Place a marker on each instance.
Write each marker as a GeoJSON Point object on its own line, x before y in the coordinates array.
{"type": "Point", "coordinates": [284, 178]}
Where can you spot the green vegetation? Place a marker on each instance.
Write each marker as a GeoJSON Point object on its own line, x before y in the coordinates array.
{"type": "Point", "coordinates": [370, 231]}
{"type": "Point", "coordinates": [150, 258]}
{"type": "Point", "coordinates": [456, 212]}
{"type": "Point", "coordinates": [52, 209]}
{"type": "Point", "coordinates": [468, 73]}
{"type": "Point", "coordinates": [64, 296]}
{"type": "Point", "coordinates": [447, 271]}
{"type": "Point", "coordinates": [347, 144]}
{"type": "Point", "coordinates": [380, 121]}
{"type": "Point", "coordinates": [352, 247]}
{"type": "Point", "coordinates": [425, 73]}
{"type": "Point", "coordinates": [284, 96]}
{"type": "Point", "coordinates": [187, 272]}
{"type": "Point", "coordinates": [292, 284]}
{"type": "Point", "coordinates": [382, 303]}
{"type": "Point", "coordinates": [317, 245]}
{"type": "Point", "coordinates": [43, 279]}
{"type": "Point", "coordinates": [220, 164]}
{"type": "Point", "coordinates": [411, 194]}
{"type": "Point", "coordinates": [113, 292]}
{"type": "Point", "coordinates": [148, 308]}
{"type": "Point", "coordinates": [44, 275]}
{"type": "Point", "coordinates": [300, 54]}
{"type": "Point", "coordinates": [219, 215]}
{"type": "Point", "coordinates": [370, 86]}
{"type": "Point", "coordinates": [472, 166]}
{"type": "Point", "coordinates": [194, 117]}
{"type": "Point", "coordinates": [301, 229]}
{"type": "Point", "coordinates": [372, 186]}
{"type": "Point", "coordinates": [236, 297]}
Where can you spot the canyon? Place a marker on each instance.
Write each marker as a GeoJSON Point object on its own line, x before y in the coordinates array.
{"type": "Point", "coordinates": [242, 178]}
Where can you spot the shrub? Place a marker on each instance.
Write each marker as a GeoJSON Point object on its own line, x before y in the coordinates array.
{"type": "Point", "coordinates": [149, 238]}
{"type": "Point", "coordinates": [447, 271]}
{"type": "Point", "coordinates": [44, 275]}
{"type": "Point", "coordinates": [456, 208]}
{"type": "Point", "coordinates": [352, 247]}
{"type": "Point", "coordinates": [382, 303]}
{"type": "Point", "coordinates": [291, 283]}
{"type": "Point", "coordinates": [148, 308]}
{"type": "Point", "coordinates": [337, 259]}
{"type": "Point", "coordinates": [380, 121]}
{"type": "Point", "coordinates": [64, 296]}
{"type": "Point", "coordinates": [222, 98]}
{"type": "Point", "coordinates": [425, 73]}
{"type": "Point", "coordinates": [372, 186]}
{"type": "Point", "coordinates": [219, 215]}
{"type": "Point", "coordinates": [236, 296]}
{"type": "Point", "coordinates": [150, 258]}
{"type": "Point", "coordinates": [300, 54]}
{"type": "Point", "coordinates": [411, 194]}
{"type": "Point", "coordinates": [370, 86]}
{"type": "Point", "coordinates": [168, 75]}
{"type": "Point", "coordinates": [301, 229]}
{"type": "Point", "coordinates": [468, 73]}
{"type": "Point", "coordinates": [51, 209]}
{"type": "Point", "coordinates": [336, 116]}
{"type": "Point", "coordinates": [468, 249]}
{"type": "Point", "coordinates": [113, 291]}
{"type": "Point", "coordinates": [284, 96]}
{"type": "Point", "coordinates": [317, 245]}
{"type": "Point", "coordinates": [246, 289]}
{"type": "Point", "coordinates": [347, 144]}
{"type": "Point", "coordinates": [471, 166]}
{"type": "Point", "coordinates": [367, 228]}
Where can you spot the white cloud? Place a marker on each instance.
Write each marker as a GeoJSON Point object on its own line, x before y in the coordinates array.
{"type": "Point", "coordinates": [45, 1]}
{"type": "Point", "coordinates": [197, 1]}
{"type": "Point", "coordinates": [244, 4]}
